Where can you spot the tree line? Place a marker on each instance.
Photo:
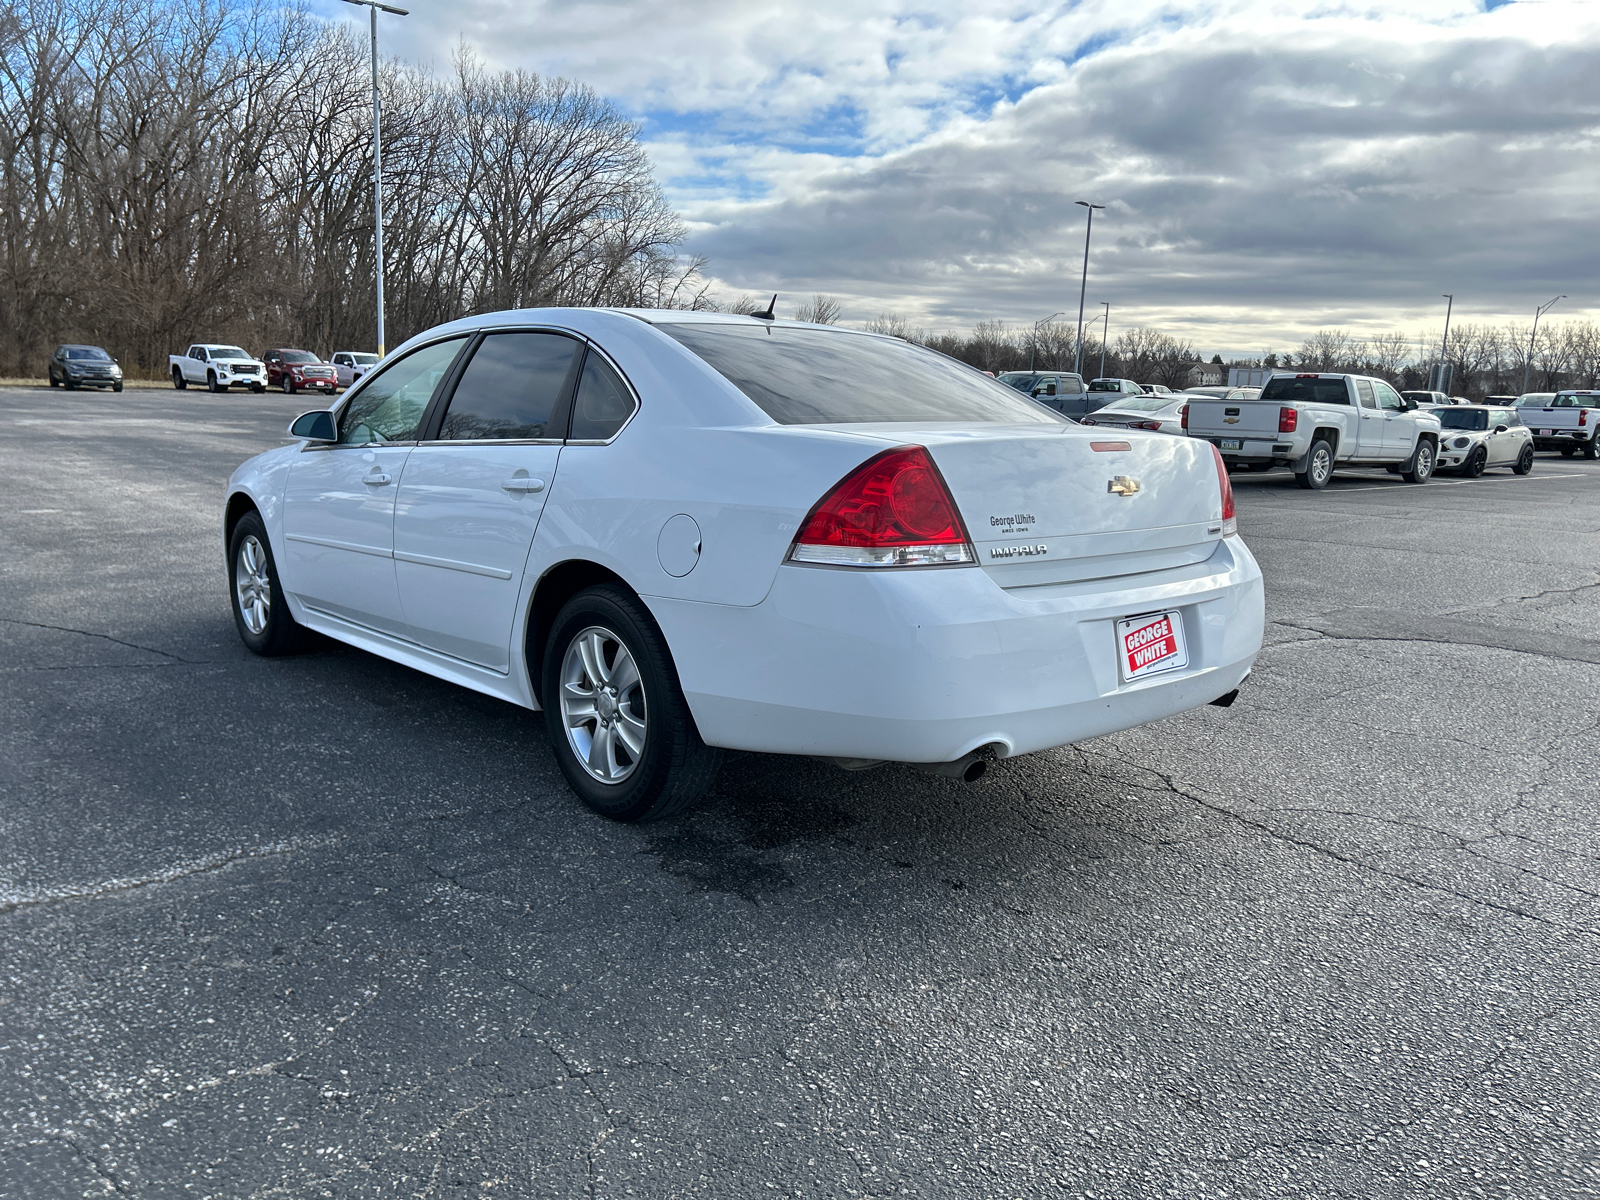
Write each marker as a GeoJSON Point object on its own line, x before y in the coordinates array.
{"type": "Point", "coordinates": [178, 170]}
{"type": "Point", "coordinates": [1486, 359]}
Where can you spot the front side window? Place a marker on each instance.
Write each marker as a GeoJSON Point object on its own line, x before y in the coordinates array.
{"type": "Point", "coordinates": [198, 352]}
{"type": "Point", "coordinates": [800, 376]}
{"type": "Point", "coordinates": [1388, 397]}
{"type": "Point", "coordinates": [389, 406]}
{"type": "Point", "coordinates": [603, 403]}
{"type": "Point", "coordinates": [1312, 389]}
{"type": "Point", "coordinates": [510, 389]}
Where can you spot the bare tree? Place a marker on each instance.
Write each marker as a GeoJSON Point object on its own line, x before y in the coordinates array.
{"type": "Point", "coordinates": [1389, 353]}
{"type": "Point", "coordinates": [819, 310]}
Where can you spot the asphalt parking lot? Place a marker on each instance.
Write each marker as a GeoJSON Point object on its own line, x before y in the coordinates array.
{"type": "Point", "coordinates": [323, 926]}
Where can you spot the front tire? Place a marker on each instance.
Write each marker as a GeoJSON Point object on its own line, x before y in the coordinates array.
{"type": "Point", "coordinates": [1476, 462]}
{"type": "Point", "coordinates": [1524, 463]}
{"type": "Point", "coordinates": [211, 382]}
{"type": "Point", "coordinates": [1420, 467]}
{"type": "Point", "coordinates": [117, 387]}
{"type": "Point", "coordinates": [287, 385]}
{"type": "Point", "coordinates": [1319, 466]}
{"type": "Point", "coordinates": [260, 613]}
{"type": "Point", "coordinates": [618, 723]}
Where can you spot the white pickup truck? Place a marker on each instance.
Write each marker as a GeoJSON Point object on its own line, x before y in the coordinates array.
{"type": "Point", "coordinates": [1570, 423]}
{"type": "Point", "coordinates": [218, 367]}
{"type": "Point", "coordinates": [1312, 422]}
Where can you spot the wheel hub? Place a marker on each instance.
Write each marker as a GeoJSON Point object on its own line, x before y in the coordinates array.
{"type": "Point", "coordinates": [603, 705]}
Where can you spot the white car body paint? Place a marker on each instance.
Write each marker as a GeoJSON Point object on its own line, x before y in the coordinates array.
{"type": "Point", "coordinates": [694, 505]}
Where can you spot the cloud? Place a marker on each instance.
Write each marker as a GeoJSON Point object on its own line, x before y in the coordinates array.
{"type": "Point", "coordinates": [1268, 167]}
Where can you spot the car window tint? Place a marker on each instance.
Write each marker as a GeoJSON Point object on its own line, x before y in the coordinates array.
{"type": "Point", "coordinates": [801, 376]}
{"type": "Point", "coordinates": [510, 388]}
{"type": "Point", "coordinates": [1311, 390]}
{"type": "Point", "coordinates": [390, 403]}
{"type": "Point", "coordinates": [603, 403]}
{"type": "Point", "coordinates": [1364, 390]}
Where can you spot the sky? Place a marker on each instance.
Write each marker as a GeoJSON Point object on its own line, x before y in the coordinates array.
{"type": "Point", "coordinates": [1268, 168]}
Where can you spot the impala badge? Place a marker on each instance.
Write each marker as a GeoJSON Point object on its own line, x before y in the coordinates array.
{"type": "Point", "coordinates": [1123, 485]}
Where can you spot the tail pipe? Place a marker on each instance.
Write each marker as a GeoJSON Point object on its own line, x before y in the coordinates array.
{"type": "Point", "coordinates": [1226, 700]}
{"type": "Point", "coordinates": [969, 768]}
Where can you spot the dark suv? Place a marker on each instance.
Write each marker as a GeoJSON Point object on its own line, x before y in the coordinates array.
{"type": "Point", "coordinates": [295, 369]}
{"type": "Point", "coordinates": [84, 366]}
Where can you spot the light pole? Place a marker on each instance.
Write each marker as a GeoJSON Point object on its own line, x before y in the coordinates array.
{"type": "Point", "coordinates": [1437, 382]}
{"type": "Point", "coordinates": [377, 158]}
{"type": "Point", "coordinates": [1033, 345]}
{"type": "Point", "coordinates": [1105, 332]}
{"type": "Point", "coordinates": [1537, 313]}
{"type": "Point", "coordinates": [1077, 359]}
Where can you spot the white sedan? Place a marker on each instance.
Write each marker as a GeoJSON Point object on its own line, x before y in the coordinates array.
{"type": "Point", "coordinates": [1158, 413]}
{"type": "Point", "coordinates": [679, 532]}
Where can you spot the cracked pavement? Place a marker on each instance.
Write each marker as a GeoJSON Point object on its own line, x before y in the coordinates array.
{"type": "Point", "coordinates": [322, 926]}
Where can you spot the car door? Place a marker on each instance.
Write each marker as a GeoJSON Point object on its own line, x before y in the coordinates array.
{"type": "Point", "coordinates": [473, 491]}
{"type": "Point", "coordinates": [194, 364]}
{"type": "Point", "coordinates": [1399, 429]}
{"type": "Point", "coordinates": [1506, 444]}
{"type": "Point", "coordinates": [338, 506]}
{"type": "Point", "coordinates": [1369, 423]}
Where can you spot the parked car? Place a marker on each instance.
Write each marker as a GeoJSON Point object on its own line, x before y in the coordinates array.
{"type": "Point", "coordinates": [762, 536]}
{"type": "Point", "coordinates": [1159, 414]}
{"type": "Point", "coordinates": [1500, 401]}
{"type": "Point", "coordinates": [1107, 390]}
{"type": "Point", "coordinates": [1223, 392]}
{"type": "Point", "coordinates": [1311, 422]}
{"type": "Point", "coordinates": [295, 369]}
{"type": "Point", "coordinates": [75, 366]}
{"type": "Point", "coordinates": [219, 367]}
{"type": "Point", "coordinates": [1570, 423]}
{"type": "Point", "coordinates": [1060, 390]}
{"type": "Point", "coordinates": [1426, 399]}
{"type": "Point", "coordinates": [1476, 437]}
{"type": "Point", "coordinates": [1156, 389]}
{"type": "Point", "coordinates": [351, 365]}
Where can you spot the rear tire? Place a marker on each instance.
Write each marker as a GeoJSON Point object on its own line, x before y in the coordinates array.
{"type": "Point", "coordinates": [178, 381]}
{"type": "Point", "coordinates": [260, 613]}
{"type": "Point", "coordinates": [1319, 466]}
{"type": "Point", "coordinates": [1419, 469]}
{"type": "Point", "coordinates": [53, 381]}
{"type": "Point", "coordinates": [1591, 448]}
{"type": "Point", "coordinates": [1524, 462]}
{"type": "Point", "coordinates": [611, 698]}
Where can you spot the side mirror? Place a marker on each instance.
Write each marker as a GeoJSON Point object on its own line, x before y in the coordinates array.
{"type": "Point", "coordinates": [314, 426]}
{"type": "Point", "coordinates": [1501, 428]}
{"type": "Point", "coordinates": [1411, 405]}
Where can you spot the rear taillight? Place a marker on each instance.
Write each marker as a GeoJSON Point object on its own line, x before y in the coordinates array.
{"type": "Point", "coordinates": [1155, 425]}
{"type": "Point", "coordinates": [1183, 416]}
{"type": "Point", "coordinates": [1583, 417]}
{"type": "Point", "coordinates": [1230, 525]}
{"type": "Point", "coordinates": [892, 511]}
{"type": "Point", "coordinates": [1288, 420]}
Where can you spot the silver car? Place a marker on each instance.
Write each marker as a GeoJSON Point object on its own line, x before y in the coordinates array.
{"type": "Point", "coordinates": [1475, 437]}
{"type": "Point", "coordinates": [1158, 413]}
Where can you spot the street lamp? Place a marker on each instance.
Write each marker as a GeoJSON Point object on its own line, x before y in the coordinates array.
{"type": "Point", "coordinates": [377, 158]}
{"type": "Point", "coordinates": [1077, 361]}
{"type": "Point", "coordinates": [1537, 313]}
{"type": "Point", "coordinates": [1034, 345]}
{"type": "Point", "coordinates": [1105, 332]}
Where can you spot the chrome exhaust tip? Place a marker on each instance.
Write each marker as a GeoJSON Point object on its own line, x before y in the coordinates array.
{"type": "Point", "coordinates": [969, 768]}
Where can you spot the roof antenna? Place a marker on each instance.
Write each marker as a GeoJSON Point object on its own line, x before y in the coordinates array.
{"type": "Point", "coordinates": [769, 314]}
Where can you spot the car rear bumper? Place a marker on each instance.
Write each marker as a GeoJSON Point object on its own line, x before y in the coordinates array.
{"type": "Point", "coordinates": [1565, 437]}
{"type": "Point", "coordinates": [929, 665]}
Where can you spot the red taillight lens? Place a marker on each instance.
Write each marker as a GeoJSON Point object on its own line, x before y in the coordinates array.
{"type": "Point", "coordinates": [1583, 417]}
{"type": "Point", "coordinates": [892, 511]}
{"type": "Point", "coordinates": [1230, 524]}
{"type": "Point", "coordinates": [1288, 420]}
{"type": "Point", "coordinates": [1183, 415]}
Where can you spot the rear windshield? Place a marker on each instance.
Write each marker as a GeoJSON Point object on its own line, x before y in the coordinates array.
{"type": "Point", "coordinates": [1421, 397]}
{"type": "Point", "coordinates": [1592, 401]}
{"type": "Point", "coordinates": [830, 377]}
{"type": "Point", "coordinates": [1105, 385]}
{"type": "Point", "coordinates": [1463, 418]}
{"type": "Point", "coordinates": [1311, 391]}
{"type": "Point", "coordinates": [1141, 404]}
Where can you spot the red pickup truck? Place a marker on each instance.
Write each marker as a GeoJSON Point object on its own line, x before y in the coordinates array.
{"type": "Point", "coordinates": [295, 369]}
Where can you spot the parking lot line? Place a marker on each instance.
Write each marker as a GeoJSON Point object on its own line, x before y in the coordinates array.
{"type": "Point", "coordinates": [1378, 487]}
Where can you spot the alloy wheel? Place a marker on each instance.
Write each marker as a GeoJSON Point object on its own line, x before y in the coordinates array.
{"type": "Point", "coordinates": [252, 583]}
{"type": "Point", "coordinates": [603, 704]}
{"type": "Point", "coordinates": [1321, 466]}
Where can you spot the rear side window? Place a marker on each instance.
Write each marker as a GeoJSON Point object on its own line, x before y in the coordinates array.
{"type": "Point", "coordinates": [603, 403]}
{"type": "Point", "coordinates": [1576, 402]}
{"type": "Point", "coordinates": [389, 406]}
{"type": "Point", "coordinates": [827, 377]}
{"type": "Point", "coordinates": [1309, 391]}
{"type": "Point", "coordinates": [511, 388]}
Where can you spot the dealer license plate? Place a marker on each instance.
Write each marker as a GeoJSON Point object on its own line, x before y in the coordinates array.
{"type": "Point", "coordinates": [1150, 644]}
{"type": "Point", "coordinates": [1230, 443]}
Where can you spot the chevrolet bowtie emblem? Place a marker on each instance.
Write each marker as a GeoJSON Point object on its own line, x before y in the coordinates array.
{"type": "Point", "coordinates": [1230, 420]}
{"type": "Point", "coordinates": [1123, 485]}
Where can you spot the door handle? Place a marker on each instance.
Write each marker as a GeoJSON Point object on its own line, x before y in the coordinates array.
{"type": "Point", "coordinates": [522, 483]}
{"type": "Point", "coordinates": [375, 478]}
